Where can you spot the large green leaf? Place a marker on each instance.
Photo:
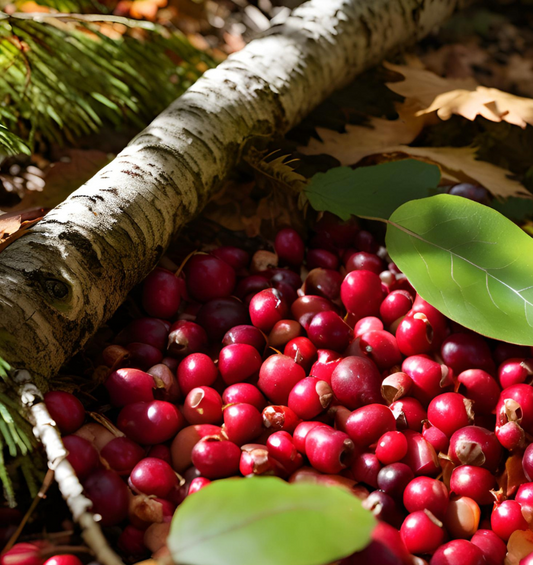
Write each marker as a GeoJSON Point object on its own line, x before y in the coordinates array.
{"type": "Point", "coordinates": [372, 192]}
{"type": "Point", "coordinates": [468, 261]}
{"type": "Point", "coordinates": [266, 521]}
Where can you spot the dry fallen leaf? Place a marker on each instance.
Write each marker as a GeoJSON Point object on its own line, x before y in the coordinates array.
{"type": "Point", "coordinates": [14, 224]}
{"type": "Point", "coordinates": [520, 545]}
{"type": "Point", "coordinates": [360, 141]}
{"type": "Point", "coordinates": [463, 97]}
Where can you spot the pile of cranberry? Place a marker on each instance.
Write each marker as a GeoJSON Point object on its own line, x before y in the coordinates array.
{"type": "Point", "coordinates": [311, 365]}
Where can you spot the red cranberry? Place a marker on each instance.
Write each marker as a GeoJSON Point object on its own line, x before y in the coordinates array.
{"type": "Point", "coordinates": [203, 405]}
{"type": "Point", "coordinates": [506, 518]}
{"type": "Point", "coordinates": [287, 277]}
{"type": "Point", "coordinates": [142, 355]}
{"type": "Point", "coordinates": [185, 338]}
{"type": "Point", "coordinates": [161, 451]}
{"type": "Point", "coordinates": [305, 308]}
{"type": "Point", "coordinates": [198, 484]}
{"type": "Point", "coordinates": [473, 445]}
{"type": "Point", "coordinates": [130, 542]}
{"type": "Point", "coordinates": [409, 414]}
{"type": "Point", "coordinates": [281, 447]}
{"type": "Point", "coordinates": [462, 351]}
{"type": "Point", "coordinates": [481, 388]}
{"type": "Point", "coordinates": [166, 383]}
{"type": "Point", "coordinates": [527, 462]}
{"type": "Point", "coordinates": [149, 423]}
{"type": "Point", "coordinates": [310, 397]}
{"type": "Point", "coordinates": [64, 559]}
{"type": "Point", "coordinates": [323, 370]}
{"type": "Point", "coordinates": [524, 497]}
{"type": "Point", "coordinates": [422, 532]}
{"type": "Point", "coordinates": [328, 330]}
{"type": "Point", "coordinates": [421, 456]}
{"type": "Point", "coordinates": [161, 295]}
{"type": "Point", "coordinates": [368, 423]}
{"type": "Point", "coordinates": [392, 479]}
{"type": "Point", "coordinates": [492, 547]}
{"type": "Point", "coordinates": [242, 423]}
{"type": "Point", "coordinates": [515, 371]}
{"type": "Point", "coordinates": [249, 335]}
{"type": "Point", "coordinates": [22, 554]}
{"type": "Point", "coordinates": [363, 261]}
{"type": "Point", "coordinates": [81, 455]}
{"type": "Point", "coordinates": [151, 331]}
{"type": "Point", "coordinates": [257, 461]}
{"type": "Point", "coordinates": [185, 440]}
{"type": "Point", "coordinates": [396, 305]}
{"type": "Point", "coordinates": [391, 447]}
{"type": "Point", "coordinates": [233, 256]}
{"type": "Point", "coordinates": [266, 308]}
{"type": "Point", "coordinates": [238, 362]}
{"type": "Point", "coordinates": [527, 560]}
{"type": "Point", "coordinates": [365, 241]}
{"type": "Point", "coordinates": [209, 278]}
{"type": "Point", "coordinates": [367, 324]}
{"type": "Point", "coordinates": [378, 345]}
{"type": "Point", "coordinates": [384, 508]}
{"type": "Point", "coordinates": [429, 377]}
{"type": "Point", "coordinates": [278, 376]}
{"type": "Point", "coordinates": [66, 410]}
{"type": "Point", "coordinates": [220, 315]}
{"type": "Point", "coordinates": [356, 382]}
{"type": "Point", "coordinates": [301, 431]}
{"type": "Point", "coordinates": [365, 469]}
{"type": "Point", "coordinates": [424, 493]}
{"type": "Point", "coordinates": [361, 293]}
{"type": "Point", "coordinates": [516, 405]}
{"type": "Point", "coordinates": [196, 370]}
{"type": "Point", "coordinates": [215, 458]}
{"type": "Point", "coordinates": [450, 411]}
{"type": "Point", "coordinates": [302, 350]}
{"type": "Point", "coordinates": [109, 495]}
{"type": "Point", "coordinates": [323, 282]}
{"type": "Point", "coordinates": [415, 334]}
{"type": "Point", "coordinates": [130, 385]}
{"type": "Point", "coordinates": [328, 451]}
{"type": "Point", "coordinates": [152, 476]}
{"type": "Point", "coordinates": [246, 393]}
{"type": "Point", "coordinates": [504, 351]}
{"type": "Point", "coordinates": [122, 454]}
{"type": "Point", "coordinates": [289, 247]}
{"type": "Point", "coordinates": [458, 552]}
{"type": "Point", "coordinates": [474, 482]}
{"type": "Point", "coordinates": [396, 386]}
{"type": "Point", "coordinates": [280, 418]}
{"type": "Point", "coordinates": [321, 258]}
{"type": "Point", "coordinates": [437, 438]}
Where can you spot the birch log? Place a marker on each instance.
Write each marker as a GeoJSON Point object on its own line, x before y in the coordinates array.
{"type": "Point", "coordinates": [72, 270]}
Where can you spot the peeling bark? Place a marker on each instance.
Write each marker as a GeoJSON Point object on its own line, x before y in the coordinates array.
{"type": "Point", "coordinates": [74, 268]}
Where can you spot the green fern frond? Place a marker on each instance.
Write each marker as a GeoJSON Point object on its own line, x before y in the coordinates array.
{"type": "Point", "coordinates": [62, 76]}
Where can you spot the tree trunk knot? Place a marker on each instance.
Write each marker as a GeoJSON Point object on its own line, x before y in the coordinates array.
{"type": "Point", "coordinates": [56, 288]}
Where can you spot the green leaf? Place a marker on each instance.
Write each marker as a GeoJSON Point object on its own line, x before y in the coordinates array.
{"type": "Point", "coordinates": [371, 192]}
{"type": "Point", "coordinates": [266, 521]}
{"type": "Point", "coordinates": [469, 261]}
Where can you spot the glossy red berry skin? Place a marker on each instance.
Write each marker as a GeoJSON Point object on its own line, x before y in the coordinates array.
{"type": "Point", "coordinates": [109, 495]}
{"type": "Point", "coordinates": [515, 371]}
{"type": "Point", "coordinates": [323, 370]}
{"type": "Point", "coordinates": [257, 461]}
{"type": "Point", "coordinates": [142, 356]}
{"type": "Point", "coordinates": [219, 315]}
{"type": "Point", "coordinates": [474, 482]}
{"type": "Point", "coordinates": [527, 560]}
{"type": "Point", "coordinates": [409, 414]}
{"type": "Point", "coordinates": [429, 377]}
{"type": "Point", "coordinates": [305, 308]}
{"type": "Point", "coordinates": [392, 479]}
{"type": "Point", "coordinates": [152, 476]}
{"type": "Point", "coordinates": [277, 418]}
{"type": "Point", "coordinates": [492, 547]}
{"type": "Point", "coordinates": [367, 424]}
{"type": "Point", "coordinates": [281, 447]}
{"type": "Point", "coordinates": [379, 346]}
{"type": "Point", "coordinates": [362, 261]}
{"type": "Point", "coordinates": [328, 451]}
{"type": "Point", "coordinates": [425, 493]}
{"type": "Point", "coordinates": [450, 411]}
{"type": "Point", "coordinates": [209, 277]}
{"type": "Point", "coordinates": [421, 456]}
{"type": "Point", "coordinates": [249, 335]}
{"type": "Point", "coordinates": [361, 293]}
{"type": "Point", "coordinates": [198, 484]}
{"type": "Point", "coordinates": [438, 439]}
{"type": "Point", "coordinates": [323, 282]}
{"type": "Point", "coordinates": [367, 324]}
{"type": "Point", "coordinates": [278, 376]}
{"type": "Point", "coordinates": [81, 455]}
{"type": "Point", "coordinates": [185, 338]}
{"type": "Point", "coordinates": [130, 385]}
{"type": "Point", "coordinates": [122, 454]}
{"type": "Point", "coordinates": [458, 552]}
{"type": "Point", "coordinates": [289, 247]}
{"type": "Point", "coordinates": [196, 370]}
{"type": "Point", "coordinates": [481, 388]}
{"type": "Point", "coordinates": [328, 330]}
{"type": "Point", "coordinates": [516, 404]}
{"type": "Point", "coordinates": [321, 258]}
{"type": "Point", "coordinates": [391, 447]}
{"type": "Point", "coordinates": [149, 423]}
{"type": "Point", "coordinates": [161, 294]}
{"type": "Point", "coordinates": [216, 459]}
{"type": "Point", "coordinates": [462, 351]}
{"type": "Point", "coordinates": [365, 469]}
{"type": "Point", "coordinates": [266, 308]}
{"type": "Point", "coordinates": [301, 350]}
{"type": "Point", "coordinates": [310, 397]}
{"type": "Point", "coordinates": [151, 331]}
{"type": "Point", "coordinates": [203, 405]}
{"type": "Point", "coordinates": [385, 509]}
{"type": "Point", "coordinates": [527, 462]}
{"type": "Point", "coordinates": [414, 334]}
{"type": "Point", "coordinates": [506, 518]}
{"type": "Point", "coordinates": [233, 256]}
{"type": "Point", "coordinates": [301, 431]}
{"type": "Point", "coordinates": [242, 423]}
{"type": "Point", "coordinates": [238, 362]}
{"type": "Point", "coordinates": [356, 382]}
{"type": "Point", "coordinates": [130, 542]}
{"type": "Point", "coordinates": [394, 306]}
{"type": "Point", "coordinates": [66, 410]}
{"type": "Point", "coordinates": [422, 533]}
{"type": "Point", "coordinates": [244, 392]}
{"type": "Point", "coordinates": [473, 445]}
{"type": "Point", "coordinates": [524, 497]}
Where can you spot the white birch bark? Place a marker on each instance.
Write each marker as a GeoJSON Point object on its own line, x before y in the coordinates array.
{"type": "Point", "coordinates": [73, 269]}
